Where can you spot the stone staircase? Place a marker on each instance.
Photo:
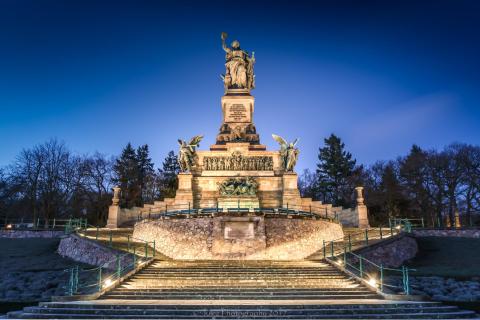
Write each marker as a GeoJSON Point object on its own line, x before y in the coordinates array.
{"type": "Point", "coordinates": [241, 289]}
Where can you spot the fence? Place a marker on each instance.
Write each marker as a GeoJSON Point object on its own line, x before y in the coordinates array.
{"type": "Point", "coordinates": [33, 224]}
{"type": "Point", "coordinates": [340, 252]}
{"type": "Point", "coordinates": [91, 280]}
{"type": "Point", "coordinates": [187, 211]}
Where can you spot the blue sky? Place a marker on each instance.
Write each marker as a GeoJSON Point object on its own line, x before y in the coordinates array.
{"type": "Point", "coordinates": [382, 75]}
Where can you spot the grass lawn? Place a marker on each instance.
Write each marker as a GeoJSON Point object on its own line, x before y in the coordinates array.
{"type": "Point", "coordinates": [447, 257]}
{"type": "Point", "coordinates": [30, 271]}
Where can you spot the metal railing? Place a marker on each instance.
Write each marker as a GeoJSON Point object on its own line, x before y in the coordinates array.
{"type": "Point", "coordinates": [33, 224]}
{"type": "Point", "coordinates": [91, 280]}
{"type": "Point", "coordinates": [187, 211]}
{"type": "Point", "coordinates": [375, 275]}
{"type": "Point", "coordinates": [357, 240]}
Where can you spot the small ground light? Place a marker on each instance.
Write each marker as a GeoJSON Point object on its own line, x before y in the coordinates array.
{"type": "Point", "coordinates": [373, 282]}
{"type": "Point", "coordinates": [108, 282]}
{"type": "Point", "coordinates": [397, 227]}
{"type": "Point", "coordinates": [8, 226]}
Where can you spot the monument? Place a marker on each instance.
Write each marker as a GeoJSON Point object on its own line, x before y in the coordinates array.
{"type": "Point", "coordinates": [238, 171]}
{"type": "Point", "coordinates": [237, 200]}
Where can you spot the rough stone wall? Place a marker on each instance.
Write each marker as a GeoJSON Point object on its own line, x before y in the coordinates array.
{"type": "Point", "coordinates": [178, 238]}
{"type": "Point", "coordinates": [30, 234]}
{"type": "Point", "coordinates": [284, 239]}
{"type": "Point", "coordinates": [392, 253]}
{"type": "Point", "coordinates": [297, 238]}
{"type": "Point", "coordinates": [89, 252]}
{"type": "Point", "coordinates": [465, 233]}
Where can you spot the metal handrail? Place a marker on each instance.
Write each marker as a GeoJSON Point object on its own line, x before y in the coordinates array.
{"type": "Point", "coordinates": [180, 211]}
{"type": "Point", "coordinates": [369, 271]}
{"type": "Point", "coordinates": [122, 263]}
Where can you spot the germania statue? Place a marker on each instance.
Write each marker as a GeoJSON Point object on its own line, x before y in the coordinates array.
{"type": "Point", "coordinates": [187, 154]}
{"type": "Point", "coordinates": [239, 66]}
{"type": "Point", "coordinates": [288, 152]}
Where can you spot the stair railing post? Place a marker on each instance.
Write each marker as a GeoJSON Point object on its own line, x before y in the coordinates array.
{"type": "Point", "coordinates": [128, 242]}
{"type": "Point", "coordinates": [349, 243]}
{"type": "Point", "coordinates": [345, 257]}
{"type": "Point", "coordinates": [381, 277]}
{"type": "Point", "coordinates": [153, 254]}
{"type": "Point", "coordinates": [70, 282]}
{"type": "Point", "coordinates": [111, 235]}
{"type": "Point", "coordinates": [381, 233]}
{"type": "Point", "coordinates": [423, 223]}
{"type": "Point", "coordinates": [75, 282]}
{"type": "Point", "coordinates": [324, 250]}
{"type": "Point", "coordinates": [100, 279]}
{"type": "Point", "coordinates": [407, 282]}
{"type": "Point", "coordinates": [310, 209]}
{"type": "Point", "coordinates": [360, 265]}
{"type": "Point", "coordinates": [54, 223]}
{"type": "Point", "coordinates": [134, 257]}
{"type": "Point", "coordinates": [96, 235]}
{"type": "Point", "coordinates": [119, 268]}
{"type": "Point", "coordinates": [146, 250]}
{"type": "Point", "coordinates": [331, 248]}
{"type": "Point", "coordinates": [366, 237]}
{"type": "Point", "coordinates": [404, 279]}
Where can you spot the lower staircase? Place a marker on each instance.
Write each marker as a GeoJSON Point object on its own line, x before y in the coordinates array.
{"type": "Point", "coordinates": [241, 289]}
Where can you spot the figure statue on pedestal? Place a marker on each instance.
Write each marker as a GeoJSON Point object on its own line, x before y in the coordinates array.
{"type": "Point", "coordinates": [239, 66]}
{"type": "Point", "coordinates": [187, 155]}
{"type": "Point", "coordinates": [288, 152]}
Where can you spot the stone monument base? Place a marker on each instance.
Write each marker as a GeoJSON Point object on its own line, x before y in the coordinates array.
{"type": "Point", "coordinates": [234, 238]}
{"type": "Point", "coordinates": [232, 202]}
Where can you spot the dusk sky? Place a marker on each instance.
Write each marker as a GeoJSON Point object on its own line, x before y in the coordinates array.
{"type": "Point", "coordinates": [382, 75]}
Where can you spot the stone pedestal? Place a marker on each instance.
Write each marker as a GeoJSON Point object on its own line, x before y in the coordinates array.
{"type": "Point", "coordinates": [237, 124]}
{"type": "Point", "coordinates": [361, 209]}
{"type": "Point", "coordinates": [184, 195]}
{"type": "Point", "coordinates": [113, 221]}
{"type": "Point", "coordinates": [226, 202]}
{"type": "Point", "coordinates": [291, 194]}
{"type": "Point", "coordinates": [362, 216]}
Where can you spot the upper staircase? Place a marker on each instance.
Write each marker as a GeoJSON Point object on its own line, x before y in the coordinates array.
{"type": "Point", "coordinates": [241, 289]}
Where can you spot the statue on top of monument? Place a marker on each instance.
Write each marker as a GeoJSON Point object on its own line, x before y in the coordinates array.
{"type": "Point", "coordinates": [288, 152]}
{"type": "Point", "coordinates": [239, 66]}
{"type": "Point", "coordinates": [187, 154]}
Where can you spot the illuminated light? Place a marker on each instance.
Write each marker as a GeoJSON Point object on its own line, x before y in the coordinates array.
{"type": "Point", "coordinates": [108, 282]}
{"type": "Point", "coordinates": [373, 282]}
{"type": "Point", "coordinates": [8, 226]}
{"type": "Point", "coordinates": [339, 262]}
{"type": "Point", "coordinates": [398, 227]}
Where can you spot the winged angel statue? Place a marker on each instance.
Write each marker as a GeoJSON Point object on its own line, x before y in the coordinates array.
{"type": "Point", "coordinates": [288, 152]}
{"type": "Point", "coordinates": [186, 154]}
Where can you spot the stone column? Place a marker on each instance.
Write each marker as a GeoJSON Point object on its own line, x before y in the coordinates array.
{"type": "Point", "coordinates": [114, 210]}
{"type": "Point", "coordinates": [361, 209]}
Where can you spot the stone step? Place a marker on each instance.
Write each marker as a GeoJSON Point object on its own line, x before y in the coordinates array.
{"type": "Point", "coordinates": [241, 272]}
{"type": "Point", "coordinates": [328, 296]}
{"type": "Point", "coordinates": [242, 290]}
{"type": "Point", "coordinates": [387, 311]}
{"type": "Point", "coordinates": [236, 276]}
